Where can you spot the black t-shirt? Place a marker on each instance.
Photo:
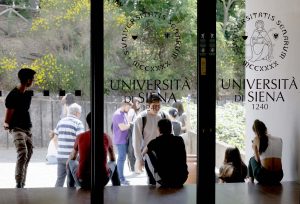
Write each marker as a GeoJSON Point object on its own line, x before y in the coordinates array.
{"type": "Point", "coordinates": [20, 102]}
{"type": "Point", "coordinates": [171, 158]}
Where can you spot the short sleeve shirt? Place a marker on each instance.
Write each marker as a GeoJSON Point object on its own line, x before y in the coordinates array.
{"type": "Point", "coordinates": [120, 137]}
{"type": "Point", "coordinates": [20, 102]}
{"type": "Point", "coordinates": [83, 146]}
{"type": "Point", "coordinates": [67, 129]}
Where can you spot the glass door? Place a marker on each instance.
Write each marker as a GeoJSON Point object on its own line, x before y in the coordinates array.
{"type": "Point", "coordinates": [53, 39]}
{"type": "Point", "coordinates": [230, 99]}
{"type": "Point", "coordinates": [150, 47]}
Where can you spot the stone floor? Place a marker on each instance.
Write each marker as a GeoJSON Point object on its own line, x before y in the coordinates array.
{"type": "Point", "coordinates": [40, 174]}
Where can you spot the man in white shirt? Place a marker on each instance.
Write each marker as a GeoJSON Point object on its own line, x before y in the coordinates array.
{"type": "Point", "coordinates": [145, 129]}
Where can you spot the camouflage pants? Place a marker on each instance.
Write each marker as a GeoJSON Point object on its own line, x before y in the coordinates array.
{"type": "Point", "coordinates": [23, 143]}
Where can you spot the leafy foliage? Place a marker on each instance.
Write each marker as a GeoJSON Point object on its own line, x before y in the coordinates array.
{"type": "Point", "coordinates": [231, 124]}
{"type": "Point", "coordinates": [230, 118]}
{"type": "Point", "coordinates": [8, 63]}
{"type": "Point", "coordinates": [230, 46]}
{"type": "Point", "coordinates": [151, 50]}
{"type": "Point", "coordinates": [50, 72]}
{"type": "Point", "coordinates": [60, 35]}
{"type": "Point", "coordinates": [225, 60]}
{"type": "Point", "coordinates": [55, 14]}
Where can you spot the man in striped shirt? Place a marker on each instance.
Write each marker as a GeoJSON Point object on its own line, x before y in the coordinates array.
{"type": "Point", "coordinates": [66, 132]}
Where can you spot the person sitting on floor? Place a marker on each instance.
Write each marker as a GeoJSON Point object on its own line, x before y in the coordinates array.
{"type": "Point", "coordinates": [233, 169]}
{"type": "Point", "coordinates": [166, 157]}
{"type": "Point", "coordinates": [80, 170]}
{"type": "Point", "coordinates": [265, 166]}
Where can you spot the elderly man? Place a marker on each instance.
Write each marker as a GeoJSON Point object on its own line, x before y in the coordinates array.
{"type": "Point", "coordinates": [67, 130]}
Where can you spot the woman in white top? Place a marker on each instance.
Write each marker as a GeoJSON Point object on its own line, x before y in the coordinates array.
{"type": "Point", "coordinates": [265, 166]}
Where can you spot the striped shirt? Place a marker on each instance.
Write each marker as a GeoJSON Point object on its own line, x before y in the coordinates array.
{"type": "Point", "coordinates": [67, 130]}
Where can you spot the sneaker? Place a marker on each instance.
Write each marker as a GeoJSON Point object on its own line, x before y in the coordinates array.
{"type": "Point", "coordinates": [19, 185]}
{"type": "Point", "coordinates": [151, 182]}
{"type": "Point", "coordinates": [125, 183]}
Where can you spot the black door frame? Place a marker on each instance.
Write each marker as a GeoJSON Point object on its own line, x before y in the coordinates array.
{"type": "Point", "coordinates": [206, 118]}
{"type": "Point", "coordinates": [97, 100]}
{"type": "Point", "coordinates": [206, 100]}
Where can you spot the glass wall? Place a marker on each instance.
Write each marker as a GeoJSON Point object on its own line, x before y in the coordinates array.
{"type": "Point", "coordinates": [230, 99]}
{"type": "Point", "coordinates": [52, 38]}
{"type": "Point", "coordinates": [151, 47]}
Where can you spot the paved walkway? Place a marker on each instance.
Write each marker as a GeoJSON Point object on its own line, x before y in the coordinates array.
{"type": "Point", "coordinates": [40, 174]}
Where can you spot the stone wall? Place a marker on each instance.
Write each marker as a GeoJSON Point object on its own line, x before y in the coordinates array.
{"type": "Point", "coordinates": [45, 113]}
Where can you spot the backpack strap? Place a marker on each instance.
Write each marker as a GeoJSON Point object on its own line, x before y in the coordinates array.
{"type": "Point", "coordinates": [162, 115]}
{"type": "Point", "coordinates": [144, 120]}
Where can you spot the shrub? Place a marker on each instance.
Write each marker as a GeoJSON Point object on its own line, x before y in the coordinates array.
{"type": "Point", "coordinates": [231, 124]}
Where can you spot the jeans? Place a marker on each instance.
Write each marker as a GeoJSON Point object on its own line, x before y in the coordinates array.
{"type": "Point", "coordinates": [122, 151]}
{"type": "Point", "coordinates": [23, 144]}
{"type": "Point", "coordinates": [72, 171]}
{"type": "Point", "coordinates": [61, 176]}
{"type": "Point", "coordinates": [262, 175]}
{"type": "Point", "coordinates": [113, 175]}
{"type": "Point", "coordinates": [131, 157]}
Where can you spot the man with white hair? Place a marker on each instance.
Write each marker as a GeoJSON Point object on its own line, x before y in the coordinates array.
{"type": "Point", "coordinates": [66, 132]}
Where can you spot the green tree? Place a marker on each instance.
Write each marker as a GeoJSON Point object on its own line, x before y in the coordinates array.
{"type": "Point", "coordinates": [225, 61]}
{"type": "Point", "coordinates": [225, 9]}
{"type": "Point", "coordinates": [230, 44]}
{"type": "Point", "coordinates": [63, 28]}
{"type": "Point", "coordinates": [57, 47]}
{"type": "Point", "coordinates": [147, 49]}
